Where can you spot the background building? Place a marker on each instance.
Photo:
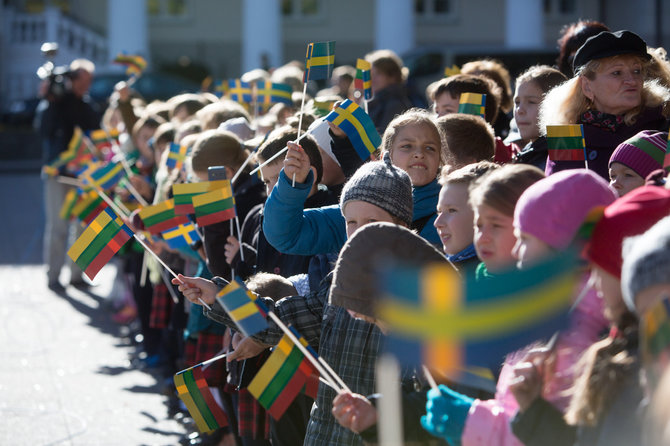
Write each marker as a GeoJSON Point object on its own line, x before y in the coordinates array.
{"type": "Point", "coordinates": [224, 38]}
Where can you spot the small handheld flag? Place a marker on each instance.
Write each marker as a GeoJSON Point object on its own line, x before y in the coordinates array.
{"type": "Point", "coordinates": [215, 206]}
{"type": "Point", "coordinates": [363, 80]}
{"type": "Point", "coordinates": [319, 61]}
{"type": "Point", "coordinates": [104, 176]}
{"type": "Point", "coordinates": [450, 71]}
{"type": "Point", "coordinates": [358, 126]}
{"type": "Point", "coordinates": [135, 64]}
{"type": "Point", "coordinates": [89, 205]}
{"type": "Point", "coordinates": [286, 372]}
{"type": "Point", "coordinates": [161, 217]}
{"type": "Point", "coordinates": [239, 91]}
{"type": "Point", "coordinates": [244, 307]}
{"type": "Point", "coordinates": [183, 194]}
{"type": "Point", "coordinates": [99, 242]}
{"type": "Point", "coordinates": [76, 155]}
{"type": "Point", "coordinates": [176, 156]}
{"type": "Point", "coordinates": [220, 87]}
{"type": "Point", "coordinates": [472, 104]}
{"type": "Point", "coordinates": [193, 390]}
{"type": "Point", "coordinates": [181, 236]}
{"type": "Point", "coordinates": [460, 325]}
{"type": "Point", "coordinates": [102, 139]}
{"type": "Point", "coordinates": [566, 142]}
{"type": "Point", "coordinates": [271, 93]}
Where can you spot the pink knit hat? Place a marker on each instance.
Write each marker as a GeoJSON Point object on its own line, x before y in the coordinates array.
{"type": "Point", "coordinates": [643, 153]}
{"type": "Point", "coordinates": [554, 208]}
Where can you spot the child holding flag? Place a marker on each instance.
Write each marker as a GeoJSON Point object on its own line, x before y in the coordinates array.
{"type": "Point", "coordinates": [378, 191]}
{"type": "Point", "coordinates": [541, 231]}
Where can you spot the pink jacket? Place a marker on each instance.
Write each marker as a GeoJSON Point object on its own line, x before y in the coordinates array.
{"type": "Point", "coordinates": [488, 422]}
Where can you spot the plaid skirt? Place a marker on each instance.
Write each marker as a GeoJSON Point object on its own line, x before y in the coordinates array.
{"type": "Point", "coordinates": [190, 352]}
{"type": "Point", "coordinates": [209, 345]}
{"type": "Point", "coordinates": [161, 307]}
{"type": "Point", "coordinates": [252, 420]}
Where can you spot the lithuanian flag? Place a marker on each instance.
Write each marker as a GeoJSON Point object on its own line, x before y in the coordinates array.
{"type": "Point", "coordinates": [472, 104]}
{"type": "Point", "coordinates": [566, 142]}
{"type": "Point", "coordinates": [183, 194]}
{"type": "Point", "coordinates": [286, 372]}
{"type": "Point", "coordinates": [215, 206]}
{"type": "Point", "coordinates": [99, 242]}
{"type": "Point", "coordinates": [161, 217]}
{"type": "Point", "coordinates": [196, 395]}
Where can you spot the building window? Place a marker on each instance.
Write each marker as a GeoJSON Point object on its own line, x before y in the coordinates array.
{"type": "Point", "coordinates": [167, 9]}
{"type": "Point", "coordinates": [430, 11]}
{"type": "Point", "coordinates": [430, 8]}
{"type": "Point", "coordinates": [302, 9]}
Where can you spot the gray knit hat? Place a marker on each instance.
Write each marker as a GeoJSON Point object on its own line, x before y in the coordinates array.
{"type": "Point", "coordinates": [354, 284]}
{"type": "Point", "coordinates": [384, 185]}
{"type": "Point", "coordinates": [646, 261]}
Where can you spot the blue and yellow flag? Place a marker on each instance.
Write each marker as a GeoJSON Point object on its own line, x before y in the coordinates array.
{"type": "Point", "coordinates": [243, 307]}
{"type": "Point", "coordinates": [319, 61]}
{"type": "Point", "coordinates": [358, 126]}
{"type": "Point", "coordinates": [363, 80]}
{"type": "Point", "coordinates": [181, 236]}
{"type": "Point", "coordinates": [472, 104]}
{"type": "Point", "coordinates": [450, 324]}
{"type": "Point", "coordinates": [104, 176]}
{"type": "Point", "coordinates": [268, 93]}
{"type": "Point", "coordinates": [239, 91]}
{"type": "Point", "coordinates": [220, 87]}
{"type": "Point", "coordinates": [176, 156]}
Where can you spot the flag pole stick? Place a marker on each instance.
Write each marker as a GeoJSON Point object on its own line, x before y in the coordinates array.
{"type": "Point", "coordinates": [207, 363]}
{"type": "Point", "coordinates": [69, 181]}
{"type": "Point", "coordinates": [241, 169]}
{"type": "Point", "coordinates": [150, 251]}
{"type": "Point", "coordinates": [302, 108]}
{"type": "Point", "coordinates": [387, 372]}
{"type": "Point", "coordinates": [239, 236]}
{"type": "Point", "coordinates": [429, 378]}
{"type": "Point", "coordinates": [304, 351]}
{"type": "Point", "coordinates": [277, 155]}
{"type": "Point", "coordinates": [143, 274]}
{"type": "Point", "coordinates": [232, 270]}
{"type": "Point", "coordinates": [121, 211]}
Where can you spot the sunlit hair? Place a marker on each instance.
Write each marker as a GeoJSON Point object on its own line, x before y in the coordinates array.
{"type": "Point", "coordinates": [496, 71]}
{"type": "Point", "coordinates": [566, 103]}
{"type": "Point", "coordinates": [413, 116]}
{"type": "Point", "coordinates": [501, 188]}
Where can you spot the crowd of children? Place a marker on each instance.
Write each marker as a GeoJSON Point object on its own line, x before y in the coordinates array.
{"type": "Point", "coordinates": [478, 193]}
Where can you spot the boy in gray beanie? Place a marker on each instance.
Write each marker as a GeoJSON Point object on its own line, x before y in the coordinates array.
{"type": "Point", "coordinates": [381, 184]}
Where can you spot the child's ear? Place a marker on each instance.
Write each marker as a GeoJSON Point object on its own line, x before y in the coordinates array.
{"type": "Point", "coordinates": [313, 169]}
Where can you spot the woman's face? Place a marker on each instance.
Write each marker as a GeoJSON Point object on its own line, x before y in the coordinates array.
{"type": "Point", "coordinates": [617, 85]}
{"type": "Point", "coordinates": [527, 100]}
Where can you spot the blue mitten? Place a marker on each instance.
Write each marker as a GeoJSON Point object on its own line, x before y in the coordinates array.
{"type": "Point", "coordinates": [446, 412]}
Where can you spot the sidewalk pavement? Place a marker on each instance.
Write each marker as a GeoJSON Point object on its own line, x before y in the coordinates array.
{"type": "Point", "coordinates": [65, 374]}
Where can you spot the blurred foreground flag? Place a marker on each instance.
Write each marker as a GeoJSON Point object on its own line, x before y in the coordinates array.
{"type": "Point", "coordinates": [436, 318]}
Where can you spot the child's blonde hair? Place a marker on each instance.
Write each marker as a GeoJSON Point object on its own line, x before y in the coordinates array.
{"type": "Point", "coordinates": [501, 188]}
{"type": "Point", "coordinates": [413, 116]}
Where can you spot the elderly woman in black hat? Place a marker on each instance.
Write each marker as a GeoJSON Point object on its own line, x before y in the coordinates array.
{"type": "Point", "coordinates": [609, 94]}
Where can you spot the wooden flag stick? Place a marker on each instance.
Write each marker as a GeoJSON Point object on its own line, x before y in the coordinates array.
{"type": "Point", "coordinates": [278, 154]}
{"type": "Point", "coordinates": [239, 237]}
{"type": "Point", "coordinates": [390, 413]}
{"type": "Point", "coordinates": [232, 270]}
{"type": "Point", "coordinates": [150, 251]}
{"type": "Point", "coordinates": [209, 362]}
{"type": "Point", "coordinates": [241, 169]}
{"type": "Point", "coordinates": [324, 373]}
{"type": "Point", "coordinates": [69, 181]}
{"type": "Point", "coordinates": [302, 108]}
{"type": "Point", "coordinates": [429, 378]}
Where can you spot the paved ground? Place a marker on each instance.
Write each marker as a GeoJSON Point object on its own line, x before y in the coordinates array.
{"type": "Point", "coordinates": [65, 374]}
